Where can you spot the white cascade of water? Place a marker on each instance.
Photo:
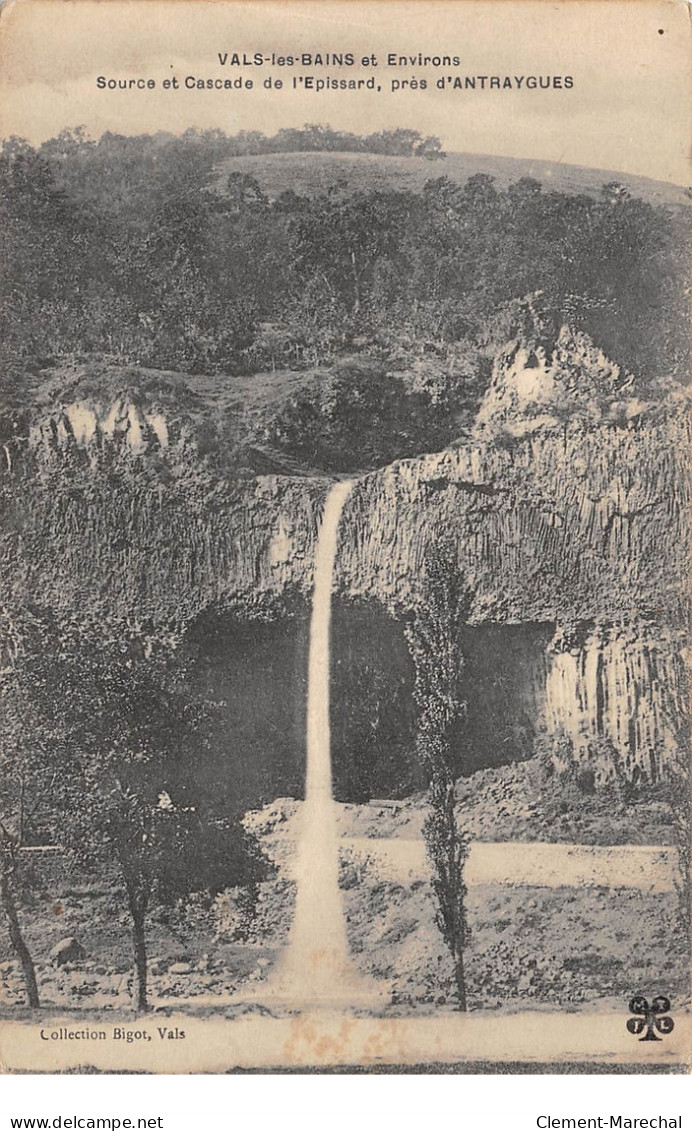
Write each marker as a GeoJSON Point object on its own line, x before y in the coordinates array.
{"type": "Point", "coordinates": [316, 968]}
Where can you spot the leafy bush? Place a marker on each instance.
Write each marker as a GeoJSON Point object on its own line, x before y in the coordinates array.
{"type": "Point", "coordinates": [357, 414]}
{"type": "Point", "coordinates": [133, 248]}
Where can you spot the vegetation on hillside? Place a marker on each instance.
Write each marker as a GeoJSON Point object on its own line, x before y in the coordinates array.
{"type": "Point", "coordinates": [129, 249]}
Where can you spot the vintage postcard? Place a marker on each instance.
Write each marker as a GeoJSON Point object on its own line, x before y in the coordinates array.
{"type": "Point", "coordinates": [344, 536]}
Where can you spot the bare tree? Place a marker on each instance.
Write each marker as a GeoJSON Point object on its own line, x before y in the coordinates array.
{"type": "Point", "coordinates": [10, 883]}
{"type": "Point", "coordinates": [26, 796]}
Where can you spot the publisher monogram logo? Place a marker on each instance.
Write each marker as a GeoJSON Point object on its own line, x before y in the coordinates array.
{"type": "Point", "coordinates": [650, 1017]}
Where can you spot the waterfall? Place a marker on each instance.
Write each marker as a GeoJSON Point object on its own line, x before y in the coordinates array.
{"type": "Point", "coordinates": [316, 968]}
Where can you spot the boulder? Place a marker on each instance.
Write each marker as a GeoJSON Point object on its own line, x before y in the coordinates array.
{"type": "Point", "coordinates": [67, 950]}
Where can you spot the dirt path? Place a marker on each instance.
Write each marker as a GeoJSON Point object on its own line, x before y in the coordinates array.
{"type": "Point", "coordinates": [648, 868]}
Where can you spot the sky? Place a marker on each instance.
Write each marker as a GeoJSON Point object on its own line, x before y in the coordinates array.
{"type": "Point", "coordinates": [627, 110]}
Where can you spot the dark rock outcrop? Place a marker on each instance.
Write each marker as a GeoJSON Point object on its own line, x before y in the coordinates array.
{"type": "Point", "coordinates": [66, 951]}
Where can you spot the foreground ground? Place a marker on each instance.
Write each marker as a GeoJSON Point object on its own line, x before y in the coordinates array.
{"type": "Point", "coordinates": [529, 947]}
{"type": "Point", "coordinates": [548, 945]}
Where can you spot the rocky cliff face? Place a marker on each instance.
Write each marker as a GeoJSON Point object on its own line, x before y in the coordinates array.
{"type": "Point", "coordinates": [624, 685]}
{"type": "Point", "coordinates": [86, 426]}
{"type": "Point", "coordinates": [582, 525]}
{"type": "Point", "coordinates": [534, 389]}
{"type": "Point", "coordinates": [586, 530]}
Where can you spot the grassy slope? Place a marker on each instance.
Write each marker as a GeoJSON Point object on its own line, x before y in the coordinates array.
{"type": "Point", "coordinates": [313, 172]}
{"type": "Point", "coordinates": [196, 395]}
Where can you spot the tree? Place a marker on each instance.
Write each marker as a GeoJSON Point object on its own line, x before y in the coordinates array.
{"type": "Point", "coordinates": [28, 776]}
{"type": "Point", "coordinates": [430, 148]}
{"type": "Point", "coordinates": [21, 785]}
{"type": "Point", "coordinates": [432, 633]}
{"type": "Point", "coordinates": [244, 194]}
{"type": "Point", "coordinates": [126, 720]}
{"type": "Point", "coordinates": [10, 880]}
{"type": "Point", "coordinates": [340, 238]}
{"type": "Point", "coordinates": [447, 849]}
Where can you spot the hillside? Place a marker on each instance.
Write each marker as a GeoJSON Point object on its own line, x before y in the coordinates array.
{"type": "Point", "coordinates": [308, 173]}
{"type": "Point", "coordinates": [413, 261]}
